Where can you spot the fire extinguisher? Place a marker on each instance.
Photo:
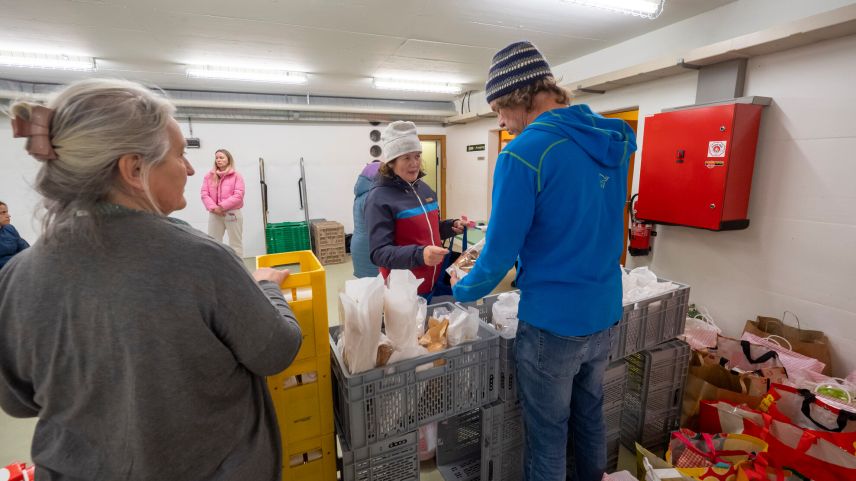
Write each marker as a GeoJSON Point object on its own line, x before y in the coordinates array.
{"type": "Point", "coordinates": [640, 232]}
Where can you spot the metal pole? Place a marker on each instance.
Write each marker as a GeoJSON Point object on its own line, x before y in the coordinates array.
{"type": "Point", "coordinates": [304, 196]}
{"type": "Point", "coordinates": [264, 192]}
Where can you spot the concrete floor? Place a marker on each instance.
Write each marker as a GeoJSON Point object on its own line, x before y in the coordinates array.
{"type": "Point", "coordinates": [16, 434]}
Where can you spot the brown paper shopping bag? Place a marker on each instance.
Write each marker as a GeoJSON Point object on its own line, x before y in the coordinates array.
{"type": "Point", "coordinates": [804, 341]}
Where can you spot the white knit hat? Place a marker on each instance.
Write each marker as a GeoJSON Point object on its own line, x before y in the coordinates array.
{"type": "Point", "coordinates": [398, 139]}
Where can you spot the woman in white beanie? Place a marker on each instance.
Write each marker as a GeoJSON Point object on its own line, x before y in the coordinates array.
{"type": "Point", "coordinates": [402, 214]}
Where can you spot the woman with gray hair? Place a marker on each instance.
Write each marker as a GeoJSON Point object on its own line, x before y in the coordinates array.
{"type": "Point", "coordinates": [139, 343]}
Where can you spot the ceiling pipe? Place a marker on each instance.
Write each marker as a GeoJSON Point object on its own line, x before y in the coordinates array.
{"type": "Point", "coordinates": [268, 106]}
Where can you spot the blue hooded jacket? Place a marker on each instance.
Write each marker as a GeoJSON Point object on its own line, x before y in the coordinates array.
{"type": "Point", "coordinates": [559, 195]}
{"type": "Point", "coordinates": [363, 266]}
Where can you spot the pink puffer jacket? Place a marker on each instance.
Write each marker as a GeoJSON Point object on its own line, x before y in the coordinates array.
{"type": "Point", "coordinates": [229, 194]}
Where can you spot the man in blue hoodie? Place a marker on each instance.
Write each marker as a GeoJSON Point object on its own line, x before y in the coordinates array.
{"type": "Point", "coordinates": [558, 203]}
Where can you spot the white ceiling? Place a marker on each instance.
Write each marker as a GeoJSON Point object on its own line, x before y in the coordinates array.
{"type": "Point", "coordinates": [341, 44]}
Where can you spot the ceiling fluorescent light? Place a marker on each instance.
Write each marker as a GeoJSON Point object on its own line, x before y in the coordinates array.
{"type": "Point", "coordinates": [416, 86]}
{"type": "Point", "coordinates": [227, 73]}
{"type": "Point", "coordinates": [47, 61]}
{"type": "Point", "coordinates": [640, 8]}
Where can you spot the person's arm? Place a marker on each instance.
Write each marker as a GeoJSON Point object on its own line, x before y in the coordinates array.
{"type": "Point", "coordinates": [514, 190]}
{"type": "Point", "coordinates": [21, 244]}
{"type": "Point", "coordinates": [255, 321]}
{"type": "Point", "coordinates": [206, 195]}
{"type": "Point", "coordinates": [237, 197]}
{"type": "Point", "coordinates": [380, 225]}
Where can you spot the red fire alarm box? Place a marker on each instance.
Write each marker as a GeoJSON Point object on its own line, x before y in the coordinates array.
{"type": "Point", "coordinates": [697, 166]}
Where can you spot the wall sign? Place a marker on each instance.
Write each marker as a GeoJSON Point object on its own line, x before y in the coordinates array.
{"type": "Point", "coordinates": [475, 148]}
{"type": "Point", "coordinates": [716, 148]}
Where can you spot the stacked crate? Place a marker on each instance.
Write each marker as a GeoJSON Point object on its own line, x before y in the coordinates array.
{"type": "Point", "coordinates": [379, 411]}
{"type": "Point", "coordinates": [487, 443]}
{"type": "Point", "coordinates": [652, 403]}
{"type": "Point", "coordinates": [328, 241]}
{"type": "Point", "coordinates": [643, 386]}
{"type": "Point", "coordinates": [286, 237]}
{"type": "Point", "coordinates": [302, 394]}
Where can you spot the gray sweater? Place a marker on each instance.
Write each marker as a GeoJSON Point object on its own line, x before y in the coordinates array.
{"type": "Point", "coordinates": [143, 359]}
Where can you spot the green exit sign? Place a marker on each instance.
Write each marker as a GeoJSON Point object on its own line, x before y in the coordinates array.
{"type": "Point", "coordinates": [475, 148]}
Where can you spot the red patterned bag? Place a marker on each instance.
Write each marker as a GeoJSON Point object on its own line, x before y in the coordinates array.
{"type": "Point", "coordinates": [805, 410]}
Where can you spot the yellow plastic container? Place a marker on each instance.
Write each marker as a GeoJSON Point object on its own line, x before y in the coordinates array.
{"type": "Point", "coordinates": [306, 292]}
{"type": "Point", "coordinates": [310, 460]}
{"type": "Point", "coordinates": [303, 399]}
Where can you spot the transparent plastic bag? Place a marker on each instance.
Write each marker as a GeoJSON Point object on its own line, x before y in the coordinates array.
{"type": "Point", "coordinates": [504, 312]}
{"type": "Point", "coordinates": [421, 315]}
{"type": "Point", "coordinates": [465, 263]}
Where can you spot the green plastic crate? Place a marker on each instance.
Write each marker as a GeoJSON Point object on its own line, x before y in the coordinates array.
{"type": "Point", "coordinates": [286, 237]}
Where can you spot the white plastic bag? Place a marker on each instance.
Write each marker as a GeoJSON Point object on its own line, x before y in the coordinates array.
{"type": "Point", "coordinates": [644, 276]}
{"type": "Point", "coordinates": [362, 311]}
{"type": "Point", "coordinates": [464, 264]}
{"type": "Point", "coordinates": [641, 283]}
{"type": "Point", "coordinates": [504, 312]}
{"type": "Point", "coordinates": [401, 307]}
{"type": "Point", "coordinates": [419, 327]}
{"type": "Point", "coordinates": [463, 326]}
{"type": "Point", "coordinates": [427, 441]}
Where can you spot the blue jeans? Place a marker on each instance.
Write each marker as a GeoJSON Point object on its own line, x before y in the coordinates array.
{"type": "Point", "coordinates": [550, 368]}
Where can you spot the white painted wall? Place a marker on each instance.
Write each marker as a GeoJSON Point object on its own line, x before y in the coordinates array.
{"type": "Point", "coordinates": [798, 253]}
{"type": "Point", "coordinates": [334, 155]}
{"type": "Point", "coordinates": [723, 23]}
{"type": "Point", "coordinates": [466, 172]}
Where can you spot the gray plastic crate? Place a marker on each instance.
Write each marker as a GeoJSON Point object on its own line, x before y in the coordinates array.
{"type": "Point", "coordinates": [501, 425]}
{"type": "Point", "coordinates": [652, 321]}
{"type": "Point", "coordinates": [614, 380]}
{"type": "Point", "coordinates": [612, 421]}
{"type": "Point", "coordinates": [507, 383]}
{"type": "Point", "coordinates": [393, 459]}
{"type": "Point", "coordinates": [502, 464]}
{"type": "Point", "coordinates": [465, 469]}
{"type": "Point", "coordinates": [652, 401]}
{"type": "Point", "coordinates": [656, 378]}
{"type": "Point", "coordinates": [398, 398]}
{"type": "Point", "coordinates": [613, 450]}
{"type": "Point", "coordinates": [459, 437]}
{"type": "Point", "coordinates": [655, 433]}
{"type": "Point", "coordinates": [644, 324]}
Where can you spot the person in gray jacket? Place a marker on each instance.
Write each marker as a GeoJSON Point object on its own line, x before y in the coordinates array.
{"type": "Point", "coordinates": [140, 343]}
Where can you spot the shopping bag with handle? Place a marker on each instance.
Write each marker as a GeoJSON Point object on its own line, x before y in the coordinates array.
{"type": "Point", "coordinates": [805, 410]}
{"type": "Point", "coordinates": [808, 342]}
{"type": "Point", "coordinates": [711, 457]}
{"type": "Point", "coordinates": [728, 417]}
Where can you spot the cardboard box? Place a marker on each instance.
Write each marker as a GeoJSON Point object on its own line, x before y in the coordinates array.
{"type": "Point", "coordinates": [327, 233]}
{"type": "Point", "coordinates": [328, 241]}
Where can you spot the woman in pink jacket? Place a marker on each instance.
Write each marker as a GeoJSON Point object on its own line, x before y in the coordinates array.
{"type": "Point", "coordinates": [223, 196]}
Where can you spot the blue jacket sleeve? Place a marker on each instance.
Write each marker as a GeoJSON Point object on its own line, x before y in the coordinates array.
{"type": "Point", "coordinates": [514, 190]}
{"type": "Point", "coordinates": [22, 244]}
{"type": "Point", "coordinates": [380, 224]}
